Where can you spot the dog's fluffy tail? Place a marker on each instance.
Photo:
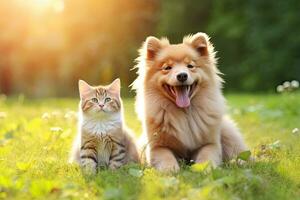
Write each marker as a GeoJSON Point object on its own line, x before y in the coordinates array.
{"type": "Point", "coordinates": [231, 140]}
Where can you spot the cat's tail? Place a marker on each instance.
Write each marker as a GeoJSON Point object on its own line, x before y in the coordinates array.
{"type": "Point", "coordinates": [74, 156]}
{"type": "Point", "coordinates": [143, 148]}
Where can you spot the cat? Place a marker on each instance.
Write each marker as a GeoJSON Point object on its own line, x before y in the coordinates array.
{"type": "Point", "coordinates": [103, 139]}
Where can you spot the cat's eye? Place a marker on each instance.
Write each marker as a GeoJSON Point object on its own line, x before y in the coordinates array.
{"type": "Point", "coordinates": [167, 68]}
{"type": "Point", "coordinates": [95, 100]}
{"type": "Point", "coordinates": [190, 66]}
{"type": "Point", "coordinates": [107, 99]}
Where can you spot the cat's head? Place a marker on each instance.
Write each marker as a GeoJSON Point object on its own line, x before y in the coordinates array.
{"type": "Point", "coordinates": [100, 99]}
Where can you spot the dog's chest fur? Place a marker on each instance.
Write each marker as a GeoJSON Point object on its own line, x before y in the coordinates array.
{"type": "Point", "coordinates": [193, 127]}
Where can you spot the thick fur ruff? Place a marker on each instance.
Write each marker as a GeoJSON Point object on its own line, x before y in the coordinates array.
{"type": "Point", "coordinates": [199, 131]}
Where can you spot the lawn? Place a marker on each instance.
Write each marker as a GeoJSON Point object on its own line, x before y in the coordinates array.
{"type": "Point", "coordinates": [36, 136]}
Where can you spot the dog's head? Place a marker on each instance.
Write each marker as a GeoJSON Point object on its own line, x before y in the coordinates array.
{"type": "Point", "coordinates": [179, 70]}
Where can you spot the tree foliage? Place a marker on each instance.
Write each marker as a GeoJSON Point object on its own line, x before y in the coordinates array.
{"type": "Point", "coordinates": [258, 42]}
{"type": "Point", "coordinates": [45, 49]}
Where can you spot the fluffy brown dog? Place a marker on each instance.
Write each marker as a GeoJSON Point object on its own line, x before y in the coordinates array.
{"type": "Point", "coordinates": [180, 103]}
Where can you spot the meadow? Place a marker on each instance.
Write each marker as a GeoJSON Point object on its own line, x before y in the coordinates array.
{"type": "Point", "coordinates": [36, 136]}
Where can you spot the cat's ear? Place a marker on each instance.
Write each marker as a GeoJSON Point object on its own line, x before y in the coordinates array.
{"type": "Point", "coordinates": [115, 87]}
{"type": "Point", "coordinates": [84, 88]}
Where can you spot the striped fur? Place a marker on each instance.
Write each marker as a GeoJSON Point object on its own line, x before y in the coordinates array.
{"type": "Point", "coordinates": [103, 141]}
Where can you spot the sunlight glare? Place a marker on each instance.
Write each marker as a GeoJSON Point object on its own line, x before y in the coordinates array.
{"type": "Point", "coordinates": [42, 5]}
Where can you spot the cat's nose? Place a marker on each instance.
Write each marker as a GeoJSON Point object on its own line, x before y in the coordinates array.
{"type": "Point", "coordinates": [101, 105]}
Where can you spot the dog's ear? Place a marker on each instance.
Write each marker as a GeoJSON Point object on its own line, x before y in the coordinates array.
{"type": "Point", "coordinates": [152, 46]}
{"type": "Point", "coordinates": [200, 41]}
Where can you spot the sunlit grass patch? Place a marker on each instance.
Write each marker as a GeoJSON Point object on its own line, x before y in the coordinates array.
{"type": "Point", "coordinates": [36, 136]}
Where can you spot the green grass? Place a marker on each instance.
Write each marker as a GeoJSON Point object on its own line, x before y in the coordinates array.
{"type": "Point", "coordinates": [36, 136]}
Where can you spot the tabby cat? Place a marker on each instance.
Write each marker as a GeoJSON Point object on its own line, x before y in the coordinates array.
{"type": "Point", "coordinates": [102, 140]}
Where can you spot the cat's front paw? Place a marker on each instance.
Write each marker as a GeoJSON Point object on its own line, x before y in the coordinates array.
{"type": "Point", "coordinates": [89, 167]}
{"type": "Point", "coordinates": [87, 170]}
{"type": "Point", "coordinates": [114, 165]}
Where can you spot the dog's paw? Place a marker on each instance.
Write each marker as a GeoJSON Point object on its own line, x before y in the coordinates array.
{"type": "Point", "coordinates": [167, 167]}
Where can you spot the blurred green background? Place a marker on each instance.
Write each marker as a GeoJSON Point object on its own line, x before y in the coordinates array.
{"type": "Point", "coordinates": [47, 45]}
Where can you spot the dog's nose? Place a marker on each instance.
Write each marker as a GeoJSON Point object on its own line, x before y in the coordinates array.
{"type": "Point", "coordinates": [182, 77]}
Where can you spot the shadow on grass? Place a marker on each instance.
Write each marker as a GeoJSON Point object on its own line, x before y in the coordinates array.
{"type": "Point", "coordinates": [124, 183]}
{"type": "Point", "coordinates": [258, 180]}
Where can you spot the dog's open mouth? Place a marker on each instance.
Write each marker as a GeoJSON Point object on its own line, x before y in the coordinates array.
{"type": "Point", "coordinates": [181, 93]}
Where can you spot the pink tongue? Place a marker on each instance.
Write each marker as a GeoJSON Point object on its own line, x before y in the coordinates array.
{"type": "Point", "coordinates": [182, 97]}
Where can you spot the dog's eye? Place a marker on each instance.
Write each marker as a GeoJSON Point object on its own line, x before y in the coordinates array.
{"type": "Point", "coordinates": [95, 100]}
{"type": "Point", "coordinates": [167, 68]}
{"type": "Point", "coordinates": [107, 99]}
{"type": "Point", "coordinates": [190, 66]}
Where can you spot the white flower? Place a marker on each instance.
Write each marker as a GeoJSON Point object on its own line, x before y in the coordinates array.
{"type": "Point", "coordinates": [286, 85]}
{"type": "Point", "coordinates": [3, 115]}
{"type": "Point", "coordinates": [280, 88]}
{"type": "Point", "coordinates": [56, 113]}
{"type": "Point", "coordinates": [295, 131]}
{"type": "Point", "coordinates": [56, 129]}
{"type": "Point", "coordinates": [295, 84]}
{"type": "Point", "coordinates": [46, 116]}
{"type": "Point", "coordinates": [70, 115]}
